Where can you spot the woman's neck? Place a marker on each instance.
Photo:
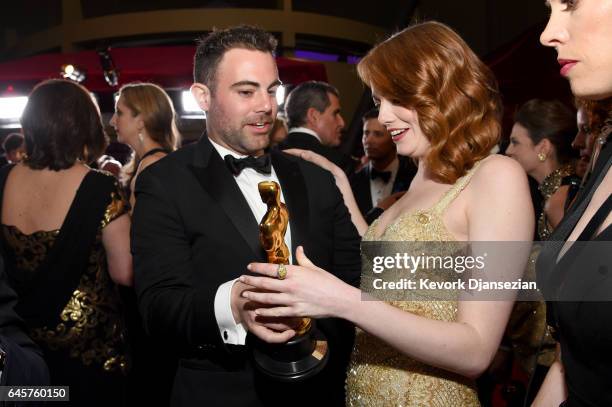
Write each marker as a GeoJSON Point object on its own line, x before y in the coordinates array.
{"type": "Point", "coordinates": [78, 165]}
{"type": "Point", "coordinates": [423, 174]}
{"type": "Point", "coordinates": [544, 170]}
{"type": "Point", "coordinates": [147, 145]}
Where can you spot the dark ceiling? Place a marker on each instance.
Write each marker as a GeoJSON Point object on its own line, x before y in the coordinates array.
{"type": "Point", "coordinates": [485, 24]}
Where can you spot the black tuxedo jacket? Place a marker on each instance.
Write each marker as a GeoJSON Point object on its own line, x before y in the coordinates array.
{"type": "Point", "coordinates": [360, 183]}
{"type": "Point", "coordinates": [192, 231]}
{"type": "Point", "coordinates": [307, 141]}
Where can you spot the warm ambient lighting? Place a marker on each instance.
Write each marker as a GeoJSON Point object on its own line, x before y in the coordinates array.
{"type": "Point", "coordinates": [71, 72]}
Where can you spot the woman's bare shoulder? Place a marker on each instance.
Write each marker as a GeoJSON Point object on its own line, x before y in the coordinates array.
{"type": "Point", "coordinates": [499, 171]}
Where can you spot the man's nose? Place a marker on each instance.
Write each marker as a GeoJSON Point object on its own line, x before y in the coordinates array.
{"type": "Point", "coordinates": [265, 102]}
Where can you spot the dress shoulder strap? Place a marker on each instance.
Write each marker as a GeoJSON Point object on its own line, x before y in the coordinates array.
{"type": "Point", "coordinates": [455, 190]}
{"type": "Point", "coordinates": [154, 151]}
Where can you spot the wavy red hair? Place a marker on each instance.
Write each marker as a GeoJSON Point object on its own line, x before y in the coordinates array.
{"type": "Point", "coordinates": [598, 113]}
{"type": "Point", "coordinates": [429, 68]}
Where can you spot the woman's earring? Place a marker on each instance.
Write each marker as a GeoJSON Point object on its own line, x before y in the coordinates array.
{"type": "Point", "coordinates": [140, 137]}
{"type": "Point", "coordinates": [542, 157]}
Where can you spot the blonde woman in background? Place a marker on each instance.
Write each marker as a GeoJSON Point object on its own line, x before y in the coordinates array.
{"type": "Point", "coordinates": [144, 119]}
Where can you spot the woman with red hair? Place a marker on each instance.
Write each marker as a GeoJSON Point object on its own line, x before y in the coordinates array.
{"type": "Point", "coordinates": [441, 105]}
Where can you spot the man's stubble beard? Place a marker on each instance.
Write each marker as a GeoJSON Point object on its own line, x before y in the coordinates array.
{"type": "Point", "coordinates": [235, 138]}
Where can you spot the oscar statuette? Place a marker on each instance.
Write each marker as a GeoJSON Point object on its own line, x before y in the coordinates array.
{"type": "Point", "coordinates": [307, 352]}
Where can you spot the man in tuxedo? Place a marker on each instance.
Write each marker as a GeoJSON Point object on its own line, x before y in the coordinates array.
{"type": "Point", "coordinates": [385, 174]}
{"type": "Point", "coordinates": [195, 229]}
{"type": "Point", "coordinates": [315, 122]}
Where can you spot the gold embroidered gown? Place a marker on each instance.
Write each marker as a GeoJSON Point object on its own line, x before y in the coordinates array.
{"type": "Point", "coordinates": [84, 348]}
{"type": "Point", "coordinates": [380, 375]}
{"type": "Point", "coordinates": [561, 176]}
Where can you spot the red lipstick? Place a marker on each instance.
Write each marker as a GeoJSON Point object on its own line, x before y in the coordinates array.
{"type": "Point", "coordinates": [398, 137]}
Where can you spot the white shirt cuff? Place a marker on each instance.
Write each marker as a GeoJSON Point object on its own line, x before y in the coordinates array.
{"type": "Point", "coordinates": [231, 332]}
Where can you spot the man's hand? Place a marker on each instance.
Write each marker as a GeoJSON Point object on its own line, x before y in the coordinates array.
{"type": "Point", "coordinates": [268, 329]}
{"type": "Point", "coordinates": [384, 204]}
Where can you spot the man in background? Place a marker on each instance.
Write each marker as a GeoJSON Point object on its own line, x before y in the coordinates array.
{"type": "Point", "coordinates": [384, 175]}
{"type": "Point", "coordinates": [315, 122]}
{"type": "Point", "coordinates": [14, 148]}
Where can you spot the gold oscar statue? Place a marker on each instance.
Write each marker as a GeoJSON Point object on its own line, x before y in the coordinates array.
{"type": "Point", "coordinates": [273, 226]}
{"type": "Point", "coordinates": [272, 229]}
{"type": "Point", "coordinates": [307, 352]}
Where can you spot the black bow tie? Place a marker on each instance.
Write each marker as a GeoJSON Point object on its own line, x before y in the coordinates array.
{"type": "Point", "coordinates": [385, 176]}
{"type": "Point", "coordinates": [260, 164]}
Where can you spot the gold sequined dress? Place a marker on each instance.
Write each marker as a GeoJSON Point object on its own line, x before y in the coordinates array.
{"type": "Point", "coordinates": [83, 343]}
{"type": "Point", "coordinates": [380, 375]}
{"type": "Point", "coordinates": [564, 175]}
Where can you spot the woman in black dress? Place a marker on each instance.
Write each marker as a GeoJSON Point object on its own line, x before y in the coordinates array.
{"type": "Point", "coordinates": [65, 238]}
{"type": "Point", "coordinates": [144, 119]}
{"type": "Point", "coordinates": [574, 266]}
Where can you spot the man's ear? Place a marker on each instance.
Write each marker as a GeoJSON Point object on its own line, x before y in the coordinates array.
{"type": "Point", "coordinates": [312, 116]}
{"type": "Point", "coordinates": [201, 94]}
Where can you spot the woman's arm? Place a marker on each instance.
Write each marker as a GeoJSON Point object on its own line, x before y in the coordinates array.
{"type": "Point", "coordinates": [496, 212]}
{"type": "Point", "coordinates": [116, 241]}
{"type": "Point", "coordinates": [553, 391]}
{"type": "Point", "coordinates": [342, 183]}
{"type": "Point", "coordinates": [554, 207]}
{"type": "Point", "coordinates": [463, 346]}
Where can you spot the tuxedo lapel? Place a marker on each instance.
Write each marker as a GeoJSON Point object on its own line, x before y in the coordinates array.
{"type": "Point", "coordinates": [296, 197]}
{"type": "Point", "coordinates": [405, 174]}
{"type": "Point", "coordinates": [366, 191]}
{"type": "Point", "coordinates": [219, 183]}
{"type": "Point", "coordinates": [360, 183]}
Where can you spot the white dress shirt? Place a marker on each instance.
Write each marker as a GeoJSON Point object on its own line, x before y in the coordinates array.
{"type": "Point", "coordinates": [305, 130]}
{"type": "Point", "coordinates": [379, 189]}
{"type": "Point", "coordinates": [231, 332]}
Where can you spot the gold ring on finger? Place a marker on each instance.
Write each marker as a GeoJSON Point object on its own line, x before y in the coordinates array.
{"type": "Point", "coordinates": [281, 272]}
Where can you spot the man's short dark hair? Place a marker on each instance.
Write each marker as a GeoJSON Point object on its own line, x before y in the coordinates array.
{"type": "Point", "coordinates": [370, 114]}
{"type": "Point", "coordinates": [61, 124]}
{"type": "Point", "coordinates": [212, 47]}
{"type": "Point", "coordinates": [12, 142]}
{"type": "Point", "coordinates": [306, 95]}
